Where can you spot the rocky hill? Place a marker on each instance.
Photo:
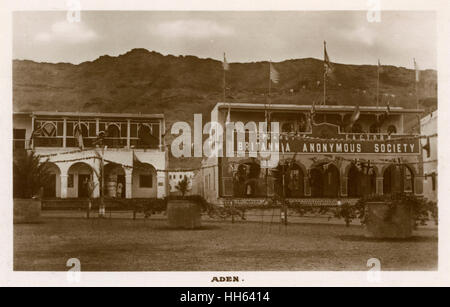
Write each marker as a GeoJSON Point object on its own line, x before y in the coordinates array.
{"type": "Point", "coordinates": [148, 82]}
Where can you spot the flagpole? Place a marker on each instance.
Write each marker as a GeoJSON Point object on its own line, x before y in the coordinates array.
{"type": "Point", "coordinates": [324, 75]}
{"type": "Point", "coordinates": [224, 79]}
{"type": "Point", "coordinates": [378, 83]}
{"type": "Point", "coordinates": [270, 81]}
{"type": "Point", "coordinates": [415, 84]}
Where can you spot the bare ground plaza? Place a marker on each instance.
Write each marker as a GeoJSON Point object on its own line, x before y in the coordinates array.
{"type": "Point", "coordinates": [122, 244]}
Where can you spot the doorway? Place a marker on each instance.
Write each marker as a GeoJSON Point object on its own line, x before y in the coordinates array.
{"type": "Point", "coordinates": [82, 186]}
{"type": "Point", "coordinates": [121, 181]}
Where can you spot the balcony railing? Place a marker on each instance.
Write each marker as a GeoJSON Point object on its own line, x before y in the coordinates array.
{"type": "Point", "coordinates": [88, 142]}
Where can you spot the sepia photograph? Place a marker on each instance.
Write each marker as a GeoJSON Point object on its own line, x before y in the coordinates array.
{"type": "Point", "coordinates": [223, 140]}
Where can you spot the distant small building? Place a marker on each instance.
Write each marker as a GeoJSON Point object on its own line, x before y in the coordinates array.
{"type": "Point", "coordinates": [428, 125]}
{"type": "Point", "coordinates": [176, 176]}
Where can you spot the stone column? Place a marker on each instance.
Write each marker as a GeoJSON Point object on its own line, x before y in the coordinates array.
{"type": "Point", "coordinates": [128, 183]}
{"type": "Point", "coordinates": [380, 185]}
{"type": "Point", "coordinates": [64, 133]}
{"type": "Point", "coordinates": [64, 185]}
{"type": "Point", "coordinates": [128, 134]}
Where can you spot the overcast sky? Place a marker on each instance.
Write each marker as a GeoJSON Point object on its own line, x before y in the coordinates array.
{"type": "Point", "coordinates": [244, 36]}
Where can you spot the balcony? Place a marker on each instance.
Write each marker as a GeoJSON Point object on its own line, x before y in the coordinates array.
{"type": "Point", "coordinates": [89, 142]}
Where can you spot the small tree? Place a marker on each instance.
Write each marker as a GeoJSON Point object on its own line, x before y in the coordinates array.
{"type": "Point", "coordinates": [183, 185]}
{"type": "Point", "coordinates": [29, 174]}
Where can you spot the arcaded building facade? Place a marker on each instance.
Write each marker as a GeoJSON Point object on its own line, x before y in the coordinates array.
{"type": "Point", "coordinates": [333, 152]}
{"type": "Point", "coordinates": [129, 146]}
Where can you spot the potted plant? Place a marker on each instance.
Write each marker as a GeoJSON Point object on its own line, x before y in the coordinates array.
{"type": "Point", "coordinates": [184, 212]}
{"type": "Point", "coordinates": [394, 215]}
{"type": "Point", "coordinates": [30, 175]}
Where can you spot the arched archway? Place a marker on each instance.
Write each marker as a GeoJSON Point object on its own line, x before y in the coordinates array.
{"type": "Point", "coordinates": [144, 181]}
{"type": "Point", "coordinates": [146, 137]}
{"type": "Point", "coordinates": [295, 182]}
{"type": "Point", "coordinates": [115, 184]}
{"type": "Point", "coordinates": [113, 135]}
{"type": "Point", "coordinates": [246, 181]}
{"type": "Point", "coordinates": [52, 186]}
{"type": "Point", "coordinates": [79, 176]}
{"type": "Point", "coordinates": [361, 181]}
{"type": "Point", "coordinates": [398, 178]}
{"type": "Point", "coordinates": [331, 181]}
{"type": "Point", "coordinates": [353, 183]}
{"type": "Point", "coordinates": [316, 182]}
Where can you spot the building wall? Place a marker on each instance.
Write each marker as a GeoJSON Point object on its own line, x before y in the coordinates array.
{"type": "Point", "coordinates": [23, 122]}
{"type": "Point", "coordinates": [143, 192]}
{"type": "Point", "coordinates": [429, 127]}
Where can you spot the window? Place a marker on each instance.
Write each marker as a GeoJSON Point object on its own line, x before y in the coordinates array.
{"type": "Point", "coordinates": [92, 129]}
{"type": "Point", "coordinates": [145, 181]}
{"type": "Point", "coordinates": [69, 129]}
{"type": "Point", "coordinates": [19, 138]}
{"type": "Point", "coordinates": [70, 181]}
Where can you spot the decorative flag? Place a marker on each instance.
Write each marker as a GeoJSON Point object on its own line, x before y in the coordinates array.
{"type": "Point", "coordinates": [326, 62]}
{"type": "Point", "coordinates": [274, 75]}
{"type": "Point", "coordinates": [226, 66]}
{"type": "Point", "coordinates": [36, 132]}
{"type": "Point", "coordinates": [79, 136]}
{"type": "Point", "coordinates": [380, 68]}
{"type": "Point", "coordinates": [355, 115]}
{"type": "Point", "coordinates": [228, 120]}
{"type": "Point", "coordinates": [313, 109]}
{"type": "Point", "coordinates": [416, 68]}
{"type": "Point", "coordinates": [388, 108]}
{"type": "Point", "coordinates": [427, 147]}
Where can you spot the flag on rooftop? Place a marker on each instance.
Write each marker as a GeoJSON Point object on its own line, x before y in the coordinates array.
{"type": "Point", "coordinates": [380, 68]}
{"type": "Point", "coordinates": [416, 68]}
{"type": "Point", "coordinates": [274, 75]}
{"type": "Point", "coordinates": [326, 62]}
{"type": "Point", "coordinates": [226, 66]}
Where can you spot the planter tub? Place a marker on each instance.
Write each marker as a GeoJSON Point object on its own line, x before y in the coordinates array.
{"type": "Point", "coordinates": [384, 222]}
{"type": "Point", "coordinates": [27, 210]}
{"type": "Point", "coordinates": [183, 214]}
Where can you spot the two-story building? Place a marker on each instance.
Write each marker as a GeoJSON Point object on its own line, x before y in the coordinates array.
{"type": "Point", "coordinates": [332, 152]}
{"type": "Point", "coordinates": [130, 147]}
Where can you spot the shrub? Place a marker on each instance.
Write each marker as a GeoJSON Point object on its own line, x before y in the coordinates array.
{"type": "Point", "coordinates": [30, 175]}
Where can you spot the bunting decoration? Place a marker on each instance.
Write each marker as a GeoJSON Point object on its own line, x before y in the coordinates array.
{"type": "Point", "coordinates": [326, 61]}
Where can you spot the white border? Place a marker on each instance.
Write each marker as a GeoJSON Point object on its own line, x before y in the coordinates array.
{"type": "Point", "coordinates": [9, 278]}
